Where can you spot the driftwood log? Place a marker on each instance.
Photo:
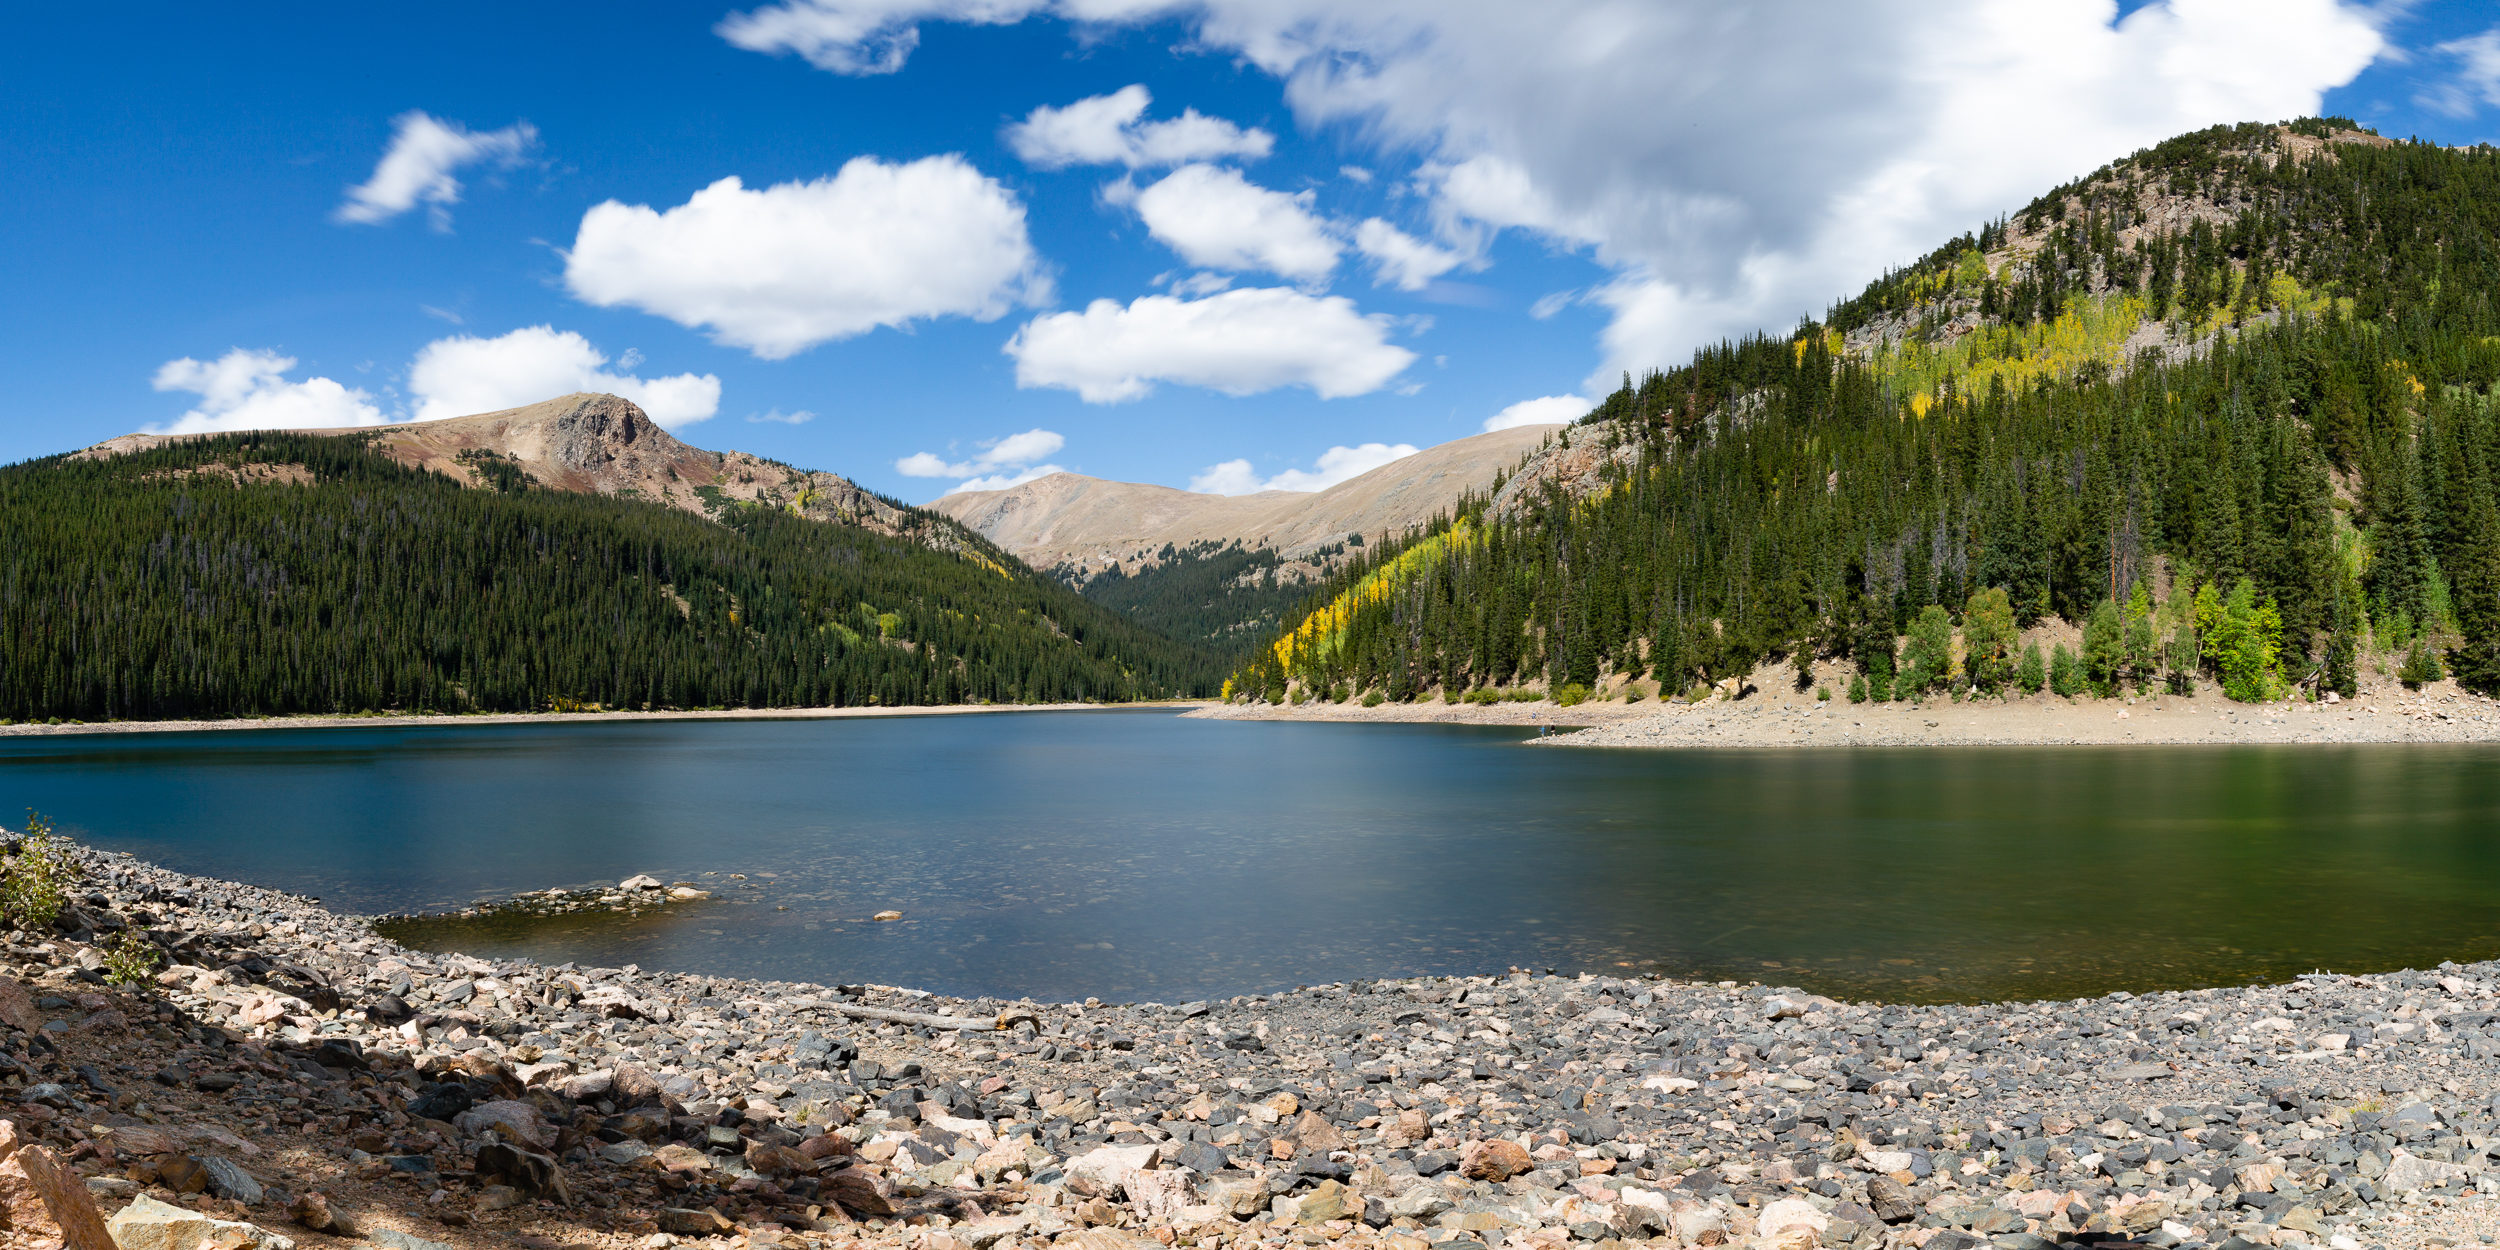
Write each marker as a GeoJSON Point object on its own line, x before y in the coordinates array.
{"type": "Point", "coordinates": [1007, 1019]}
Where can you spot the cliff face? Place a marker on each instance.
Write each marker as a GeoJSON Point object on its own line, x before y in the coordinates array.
{"type": "Point", "coordinates": [607, 445]}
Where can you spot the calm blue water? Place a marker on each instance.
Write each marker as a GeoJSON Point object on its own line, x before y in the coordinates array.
{"type": "Point", "coordinates": [1137, 855]}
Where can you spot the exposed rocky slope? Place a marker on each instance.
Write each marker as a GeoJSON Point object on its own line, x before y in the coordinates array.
{"type": "Point", "coordinates": [295, 1072]}
{"type": "Point", "coordinates": [604, 444]}
{"type": "Point", "coordinates": [1085, 523]}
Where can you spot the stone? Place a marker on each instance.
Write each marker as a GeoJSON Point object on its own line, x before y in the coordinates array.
{"type": "Point", "coordinates": [1157, 1196]}
{"type": "Point", "coordinates": [2407, 1173]}
{"type": "Point", "coordinates": [1328, 1201]}
{"type": "Point", "coordinates": [525, 1170]}
{"type": "Point", "coordinates": [396, 1239]}
{"type": "Point", "coordinates": [858, 1193]}
{"type": "Point", "coordinates": [1781, 1221]}
{"type": "Point", "coordinates": [1495, 1160]}
{"type": "Point", "coordinates": [1315, 1133]}
{"type": "Point", "coordinates": [517, 1121]}
{"type": "Point", "coordinates": [228, 1180]}
{"type": "Point", "coordinates": [313, 1211]}
{"type": "Point", "coordinates": [147, 1224]}
{"type": "Point", "coordinates": [694, 1222]}
{"type": "Point", "coordinates": [45, 1197]}
{"type": "Point", "coordinates": [1107, 1167]}
{"type": "Point", "coordinates": [1890, 1200]}
{"type": "Point", "coordinates": [639, 882]}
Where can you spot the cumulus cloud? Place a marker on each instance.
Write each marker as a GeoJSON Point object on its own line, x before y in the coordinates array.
{"type": "Point", "coordinates": [1548, 410]}
{"type": "Point", "coordinates": [996, 464]}
{"type": "Point", "coordinates": [463, 375]}
{"type": "Point", "coordinates": [2477, 80]}
{"type": "Point", "coordinates": [1337, 464]}
{"type": "Point", "coordinates": [1400, 259]}
{"type": "Point", "coordinates": [859, 36]}
{"type": "Point", "coordinates": [249, 390]}
{"type": "Point", "coordinates": [781, 269]}
{"type": "Point", "coordinates": [1795, 148]}
{"type": "Point", "coordinates": [417, 167]}
{"type": "Point", "coordinates": [1112, 130]}
{"type": "Point", "coordinates": [1217, 219]}
{"type": "Point", "coordinates": [1238, 342]}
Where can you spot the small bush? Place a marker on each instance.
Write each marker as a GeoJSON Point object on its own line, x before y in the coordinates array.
{"type": "Point", "coordinates": [35, 879]}
{"type": "Point", "coordinates": [1857, 688]}
{"type": "Point", "coordinates": [131, 959]}
{"type": "Point", "coordinates": [1633, 694]}
{"type": "Point", "coordinates": [1300, 696]}
{"type": "Point", "coordinates": [1822, 694]}
{"type": "Point", "coordinates": [2421, 667]}
{"type": "Point", "coordinates": [2033, 675]}
{"type": "Point", "coordinates": [1373, 698]}
{"type": "Point", "coordinates": [1571, 695]}
{"type": "Point", "coordinates": [2065, 673]}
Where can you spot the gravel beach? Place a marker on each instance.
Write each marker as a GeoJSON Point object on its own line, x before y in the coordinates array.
{"type": "Point", "coordinates": [298, 1077]}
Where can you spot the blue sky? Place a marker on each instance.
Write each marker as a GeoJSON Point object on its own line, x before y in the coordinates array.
{"type": "Point", "coordinates": [1386, 225]}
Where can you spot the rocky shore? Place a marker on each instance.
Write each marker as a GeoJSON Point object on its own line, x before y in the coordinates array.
{"type": "Point", "coordinates": [289, 1078]}
{"type": "Point", "coordinates": [1774, 713]}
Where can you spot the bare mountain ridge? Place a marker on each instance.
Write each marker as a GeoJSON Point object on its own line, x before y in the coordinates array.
{"type": "Point", "coordinates": [1086, 523]}
{"type": "Point", "coordinates": [605, 444]}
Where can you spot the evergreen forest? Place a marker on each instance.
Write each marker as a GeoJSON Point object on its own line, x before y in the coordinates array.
{"type": "Point", "coordinates": [273, 573]}
{"type": "Point", "coordinates": [2226, 405]}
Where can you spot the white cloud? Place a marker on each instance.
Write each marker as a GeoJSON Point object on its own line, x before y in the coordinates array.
{"type": "Point", "coordinates": [1400, 258]}
{"type": "Point", "coordinates": [1795, 150]}
{"type": "Point", "coordinates": [463, 375]}
{"type": "Point", "coordinates": [1238, 342]}
{"type": "Point", "coordinates": [248, 390]}
{"type": "Point", "coordinates": [784, 268]}
{"type": "Point", "coordinates": [1217, 219]}
{"type": "Point", "coordinates": [2477, 78]}
{"type": "Point", "coordinates": [1001, 481]}
{"type": "Point", "coordinates": [1337, 464]}
{"type": "Point", "coordinates": [1112, 130]}
{"type": "Point", "coordinates": [800, 416]}
{"type": "Point", "coordinates": [859, 36]}
{"type": "Point", "coordinates": [997, 464]}
{"type": "Point", "coordinates": [1549, 410]}
{"type": "Point", "coordinates": [417, 168]}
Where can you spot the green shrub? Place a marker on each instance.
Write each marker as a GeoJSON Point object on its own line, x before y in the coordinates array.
{"type": "Point", "coordinates": [1301, 696]}
{"type": "Point", "coordinates": [1633, 694]}
{"type": "Point", "coordinates": [1373, 698]}
{"type": "Point", "coordinates": [131, 959]}
{"type": "Point", "coordinates": [2065, 673]}
{"type": "Point", "coordinates": [35, 879]}
{"type": "Point", "coordinates": [1857, 689]}
{"type": "Point", "coordinates": [1988, 637]}
{"type": "Point", "coordinates": [2104, 649]}
{"type": "Point", "coordinates": [1927, 658]}
{"type": "Point", "coordinates": [1822, 694]}
{"type": "Point", "coordinates": [2421, 667]}
{"type": "Point", "coordinates": [2033, 675]}
{"type": "Point", "coordinates": [1571, 695]}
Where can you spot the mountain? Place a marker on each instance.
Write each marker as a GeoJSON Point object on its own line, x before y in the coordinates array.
{"type": "Point", "coordinates": [2225, 403]}
{"type": "Point", "coordinates": [1086, 523]}
{"type": "Point", "coordinates": [569, 554]}
{"type": "Point", "coordinates": [603, 444]}
{"type": "Point", "coordinates": [1223, 571]}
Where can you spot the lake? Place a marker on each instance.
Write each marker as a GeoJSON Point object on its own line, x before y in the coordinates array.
{"type": "Point", "coordinates": [1135, 855]}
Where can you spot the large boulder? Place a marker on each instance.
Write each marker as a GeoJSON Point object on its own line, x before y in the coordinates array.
{"type": "Point", "coordinates": [147, 1224]}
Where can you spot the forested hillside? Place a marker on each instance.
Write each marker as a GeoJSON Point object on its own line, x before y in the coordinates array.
{"type": "Point", "coordinates": [1225, 597]}
{"type": "Point", "coordinates": [286, 573]}
{"type": "Point", "coordinates": [2226, 403]}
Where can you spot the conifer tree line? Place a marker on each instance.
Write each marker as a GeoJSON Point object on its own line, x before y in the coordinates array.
{"type": "Point", "coordinates": [2311, 485]}
{"type": "Point", "coordinates": [172, 583]}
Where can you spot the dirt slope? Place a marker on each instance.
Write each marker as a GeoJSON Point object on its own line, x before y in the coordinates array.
{"type": "Point", "coordinates": [1087, 522]}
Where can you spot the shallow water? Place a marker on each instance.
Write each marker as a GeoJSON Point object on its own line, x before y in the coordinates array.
{"type": "Point", "coordinates": [1137, 855]}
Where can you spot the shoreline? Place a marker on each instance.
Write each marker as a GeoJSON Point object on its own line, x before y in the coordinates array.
{"type": "Point", "coordinates": [1778, 716]}
{"type": "Point", "coordinates": [558, 718]}
{"type": "Point", "coordinates": [473, 1103]}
